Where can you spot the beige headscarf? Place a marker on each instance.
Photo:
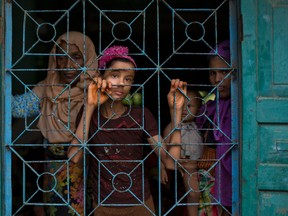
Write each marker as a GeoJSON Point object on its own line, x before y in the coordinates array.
{"type": "Point", "coordinates": [59, 107]}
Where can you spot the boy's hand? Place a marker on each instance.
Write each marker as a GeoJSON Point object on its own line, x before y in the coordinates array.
{"type": "Point", "coordinates": [175, 96]}
{"type": "Point", "coordinates": [98, 88]}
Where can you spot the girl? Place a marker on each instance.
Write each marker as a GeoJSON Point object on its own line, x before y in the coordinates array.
{"type": "Point", "coordinates": [117, 134]}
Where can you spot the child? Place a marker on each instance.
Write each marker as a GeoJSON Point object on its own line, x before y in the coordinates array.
{"type": "Point", "coordinates": [215, 121]}
{"type": "Point", "coordinates": [191, 150]}
{"type": "Point", "coordinates": [117, 134]}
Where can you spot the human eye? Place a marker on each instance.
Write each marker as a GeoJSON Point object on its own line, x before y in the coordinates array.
{"type": "Point", "coordinates": [77, 58]}
{"type": "Point", "coordinates": [212, 73]}
{"type": "Point", "coordinates": [224, 72]}
{"type": "Point", "coordinates": [114, 75]}
{"type": "Point", "coordinates": [129, 80]}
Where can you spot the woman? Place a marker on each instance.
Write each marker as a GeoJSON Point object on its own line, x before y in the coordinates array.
{"type": "Point", "coordinates": [58, 99]}
{"type": "Point", "coordinates": [215, 122]}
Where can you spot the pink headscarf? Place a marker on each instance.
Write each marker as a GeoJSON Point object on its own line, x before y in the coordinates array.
{"type": "Point", "coordinates": [114, 52]}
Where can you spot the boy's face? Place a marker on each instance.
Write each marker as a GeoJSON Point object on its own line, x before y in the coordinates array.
{"type": "Point", "coordinates": [217, 77]}
{"type": "Point", "coordinates": [121, 75]}
{"type": "Point", "coordinates": [191, 107]}
{"type": "Point", "coordinates": [70, 63]}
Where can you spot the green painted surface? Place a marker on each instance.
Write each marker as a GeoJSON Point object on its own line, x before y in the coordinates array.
{"type": "Point", "coordinates": [265, 106]}
{"type": "Point", "coordinates": [271, 177]}
{"type": "Point", "coordinates": [273, 146]}
{"type": "Point", "coordinates": [280, 21]}
{"type": "Point", "coordinates": [272, 37]}
{"type": "Point", "coordinates": [277, 205]}
{"type": "Point", "coordinates": [249, 94]}
{"type": "Point", "coordinates": [1, 105]}
{"type": "Point", "coordinates": [272, 109]}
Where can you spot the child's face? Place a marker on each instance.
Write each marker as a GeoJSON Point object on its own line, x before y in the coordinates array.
{"type": "Point", "coordinates": [217, 75]}
{"type": "Point", "coordinates": [121, 78]}
{"type": "Point", "coordinates": [72, 61]}
{"type": "Point", "coordinates": [191, 107]}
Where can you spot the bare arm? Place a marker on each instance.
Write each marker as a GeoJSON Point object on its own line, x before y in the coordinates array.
{"type": "Point", "coordinates": [92, 104]}
{"type": "Point", "coordinates": [166, 133]}
{"type": "Point", "coordinates": [166, 137]}
{"type": "Point", "coordinates": [166, 159]}
{"type": "Point", "coordinates": [175, 101]}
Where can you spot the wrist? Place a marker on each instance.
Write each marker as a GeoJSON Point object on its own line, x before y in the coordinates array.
{"type": "Point", "coordinates": [90, 108]}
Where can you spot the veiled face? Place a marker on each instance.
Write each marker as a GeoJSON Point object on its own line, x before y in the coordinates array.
{"type": "Point", "coordinates": [70, 62]}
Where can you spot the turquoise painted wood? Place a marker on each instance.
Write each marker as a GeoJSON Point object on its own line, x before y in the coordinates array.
{"type": "Point", "coordinates": [265, 106]}
{"type": "Point", "coordinates": [1, 104]}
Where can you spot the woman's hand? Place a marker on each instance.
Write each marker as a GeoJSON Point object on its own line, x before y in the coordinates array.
{"type": "Point", "coordinates": [175, 96]}
{"type": "Point", "coordinates": [99, 89]}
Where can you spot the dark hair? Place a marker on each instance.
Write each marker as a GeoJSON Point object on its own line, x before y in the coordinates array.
{"type": "Point", "coordinates": [196, 95]}
{"type": "Point", "coordinates": [110, 63]}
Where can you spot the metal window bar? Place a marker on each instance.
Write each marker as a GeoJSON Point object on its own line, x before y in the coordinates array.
{"type": "Point", "coordinates": [162, 36]}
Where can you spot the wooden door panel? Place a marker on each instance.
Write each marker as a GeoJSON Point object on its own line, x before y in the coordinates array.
{"type": "Point", "coordinates": [272, 38]}
{"type": "Point", "coordinates": [273, 144]}
{"type": "Point", "coordinates": [272, 109]}
{"type": "Point", "coordinates": [265, 106]}
{"type": "Point", "coordinates": [273, 157]}
{"type": "Point", "coordinates": [273, 177]}
{"type": "Point", "coordinates": [273, 203]}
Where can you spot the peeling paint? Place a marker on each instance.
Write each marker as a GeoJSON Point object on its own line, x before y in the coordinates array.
{"type": "Point", "coordinates": [266, 200]}
{"type": "Point", "coordinates": [282, 211]}
{"type": "Point", "coordinates": [266, 18]}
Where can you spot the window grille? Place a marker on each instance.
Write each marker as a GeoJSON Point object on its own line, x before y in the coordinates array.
{"type": "Point", "coordinates": [168, 39]}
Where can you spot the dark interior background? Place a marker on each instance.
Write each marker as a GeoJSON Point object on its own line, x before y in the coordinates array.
{"type": "Point", "coordinates": [95, 18]}
{"type": "Point", "coordinates": [188, 64]}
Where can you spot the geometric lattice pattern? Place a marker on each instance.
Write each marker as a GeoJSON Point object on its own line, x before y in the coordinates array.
{"type": "Point", "coordinates": [167, 39]}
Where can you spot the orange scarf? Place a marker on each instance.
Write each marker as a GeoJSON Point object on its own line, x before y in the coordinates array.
{"type": "Point", "coordinates": [60, 104]}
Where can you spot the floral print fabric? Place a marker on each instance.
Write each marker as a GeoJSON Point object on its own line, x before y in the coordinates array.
{"type": "Point", "coordinates": [66, 195]}
{"type": "Point", "coordinates": [25, 105]}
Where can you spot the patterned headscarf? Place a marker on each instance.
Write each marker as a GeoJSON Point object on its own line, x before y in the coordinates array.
{"type": "Point", "coordinates": [59, 104]}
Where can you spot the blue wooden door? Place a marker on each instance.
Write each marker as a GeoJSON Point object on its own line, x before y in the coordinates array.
{"type": "Point", "coordinates": [265, 106]}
